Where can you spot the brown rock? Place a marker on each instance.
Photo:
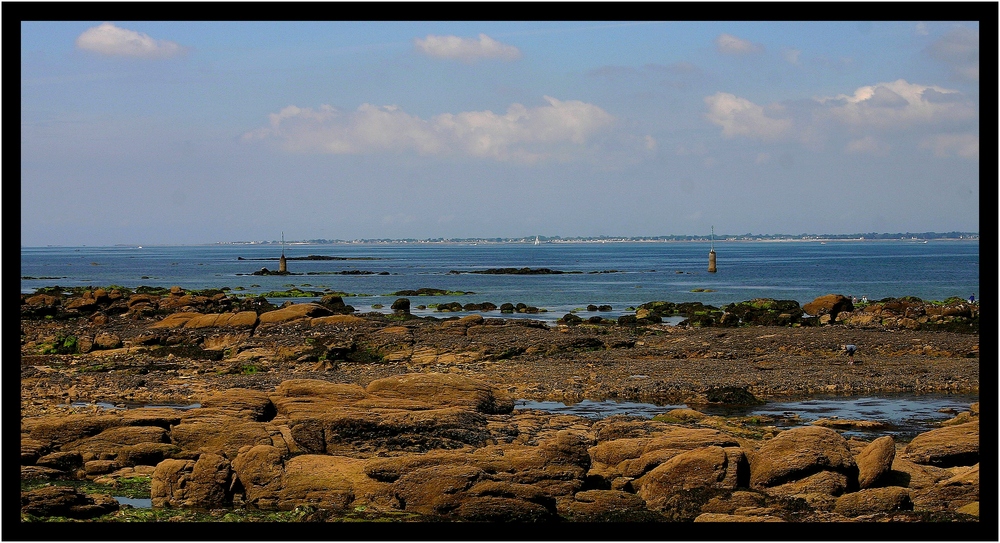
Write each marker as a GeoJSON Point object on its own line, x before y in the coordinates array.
{"type": "Point", "coordinates": [64, 461]}
{"type": "Point", "coordinates": [699, 468]}
{"type": "Point", "coordinates": [798, 452]}
{"type": "Point", "coordinates": [826, 483]}
{"type": "Point", "coordinates": [496, 509]}
{"type": "Point", "coordinates": [323, 481]}
{"type": "Point", "coordinates": [949, 446]}
{"type": "Point", "coordinates": [203, 483]}
{"type": "Point", "coordinates": [207, 430]}
{"type": "Point", "coordinates": [146, 454]}
{"type": "Point", "coordinates": [259, 469]}
{"type": "Point", "coordinates": [829, 304]}
{"type": "Point", "coordinates": [242, 403]}
{"type": "Point", "coordinates": [436, 489]}
{"type": "Point", "coordinates": [875, 461]}
{"type": "Point", "coordinates": [243, 319]}
{"type": "Point", "coordinates": [722, 517]}
{"type": "Point", "coordinates": [174, 320]}
{"type": "Point", "coordinates": [607, 506]}
{"type": "Point", "coordinates": [65, 501]}
{"type": "Point", "coordinates": [442, 389]}
{"type": "Point", "coordinates": [107, 444]}
{"type": "Point", "coordinates": [293, 312]}
{"type": "Point", "coordinates": [874, 500]}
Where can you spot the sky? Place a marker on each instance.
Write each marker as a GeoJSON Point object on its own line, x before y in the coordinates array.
{"type": "Point", "coordinates": [188, 132]}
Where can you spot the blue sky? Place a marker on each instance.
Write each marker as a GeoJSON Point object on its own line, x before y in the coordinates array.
{"type": "Point", "coordinates": [173, 132]}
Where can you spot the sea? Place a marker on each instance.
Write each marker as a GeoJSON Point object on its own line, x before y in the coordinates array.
{"type": "Point", "coordinates": [622, 275]}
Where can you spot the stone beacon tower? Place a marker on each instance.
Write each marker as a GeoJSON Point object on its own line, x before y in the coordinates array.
{"type": "Point", "coordinates": [711, 254]}
{"type": "Point", "coordinates": [282, 263]}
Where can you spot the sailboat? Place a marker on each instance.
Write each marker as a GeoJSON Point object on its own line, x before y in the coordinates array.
{"type": "Point", "coordinates": [536, 240]}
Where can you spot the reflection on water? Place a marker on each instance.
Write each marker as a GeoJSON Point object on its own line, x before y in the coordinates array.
{"type": "Point", "coordinates": [902, 415]}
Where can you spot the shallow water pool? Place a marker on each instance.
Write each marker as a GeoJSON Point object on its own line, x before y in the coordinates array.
{"type": "Point", "coordinates": [903, 415]}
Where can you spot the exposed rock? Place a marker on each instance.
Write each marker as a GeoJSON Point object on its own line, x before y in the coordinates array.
{"type": "Point", "coordinates": [801, 452]}
{"type": "Point", "coordinates": [829, 304]}
{"type": "Point", "coordinates": [608, 506]}
{"type": "Point", "coordinates": [204, 483]}
{"type": "Point", "coordinates": [875, 461]}
{"type": "Point", "coordinates": [874, 500]}
{"type": "Point", "coordinates": [949, 446]}
{"type": "Point", "coordinates": [707, 467]}
{"type": "Point", "coordinates": [722, 517]}
{"type": "Point", "coordinates": [65, 501]}
{"type": "Point", "coordinates": [294, 312]}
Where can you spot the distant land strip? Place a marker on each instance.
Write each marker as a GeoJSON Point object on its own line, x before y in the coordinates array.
{"type": "Point", "coordinates": [867, 236]}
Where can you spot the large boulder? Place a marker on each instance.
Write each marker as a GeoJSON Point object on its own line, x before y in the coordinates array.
{"type": "Point", "coordinates": [203, 483]}
{"type": "Point", "coordinates": [875, 461]}
{"type": "Point", "coordinates": [829, 304]}
{"type": "Point", "coordinates": [801, 452]}
{"type": "Point", "coordinates": [874, 500]}
{"type": "Point", "coordinates": [944, 447]}
{"type": "Point", "coordinates": [321, 481]}
{"type": "Point", "coordinates": [208, 430]}
{"type": "Point", "coordinates": [294, 312]}
{"type": "Point", "coordinates": [443, 389]}
{"type": "Point", "coordinates": [107, 444]}
{"type": "Point", "coordinates": [242, 319]}
{"type": "Point", "coordinates": [710, 467]}
{"type": "Point", "coordinates": [258, 470]}
{"type": "Point", "coordinates": [608, 506]}
{"type": "Point", "coordinates": [242, 403]}
{"type": "Point", "coordinates": [66, 501]}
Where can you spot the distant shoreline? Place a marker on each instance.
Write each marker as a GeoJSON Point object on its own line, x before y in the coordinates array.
{"type": "Point", "coordinates": [543, 241]}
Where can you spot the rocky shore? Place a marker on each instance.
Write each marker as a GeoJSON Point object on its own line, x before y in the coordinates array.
{"type": "Point", "coordinates": [311, 407]}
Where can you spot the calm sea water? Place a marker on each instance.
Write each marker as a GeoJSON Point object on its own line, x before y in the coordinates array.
{"type": "Point", "coordinates": [634, 273]}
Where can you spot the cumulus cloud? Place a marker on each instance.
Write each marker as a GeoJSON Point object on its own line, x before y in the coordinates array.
{"type": "Point", "coordinates": [741, 117]}
{"type": "Point", "coordinates": [959, 49]}
{"type": "Point", "coordinates": [108, 39]}
{"type": "Point", "coordinates": [521, 134]}
{"type": "Point", "coordinates": [727, 44]}
{"type": "Point", "coordinates": [899, 105]}
{"type": "Point", "coordinates": [948, 145]}
{"type": "Point", "coordinates": [867, 118]}
{"type": "Point", "coordinates": [466, 49]}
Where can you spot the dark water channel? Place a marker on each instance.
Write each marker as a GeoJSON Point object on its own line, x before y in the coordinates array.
{"type": "Point", "coordinates": [903, 416]}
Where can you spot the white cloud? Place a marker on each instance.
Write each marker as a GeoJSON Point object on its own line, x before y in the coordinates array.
{"type": "Point", "coordinates": [466, 49]}
{"type": "Point", "coordinates": [868, 119]}
{"type": "Point", "coordinates": [792, 55]}
{"type": "Point", "coordinates": [728, 44]}
{"type": "Point", "coordinates": [521, 134]}
{"type": "Point", "coordinates": [741, 117]}
{"type": "Point", "coordinates": [867, 146]}
{"type": "Point", "coordinates": [946, 145]}
{"type": "Point", "coordinates": [108, 39]}
{"type": "Point", "coordinates": [921, 29]}
{"type": "Point", "coordinates": [899, 105]}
